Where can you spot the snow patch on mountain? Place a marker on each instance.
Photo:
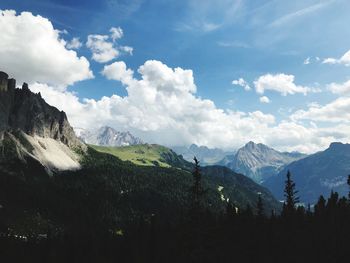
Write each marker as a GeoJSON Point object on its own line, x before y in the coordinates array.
{"type": "Point", "coordinates": [107, 136]}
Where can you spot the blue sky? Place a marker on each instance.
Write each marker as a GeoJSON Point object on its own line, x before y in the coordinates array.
{"type": "Point", "coordinates": [220, 41]}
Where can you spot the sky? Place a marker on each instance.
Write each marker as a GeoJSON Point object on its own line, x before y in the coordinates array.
{"type": "Point", "coordinates": [215, 73]}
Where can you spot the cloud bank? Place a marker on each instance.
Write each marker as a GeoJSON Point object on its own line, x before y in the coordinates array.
{"type": "Point", "coordinates": [33, 51]}
{"type": "Point", "coordinates": [161, 106]}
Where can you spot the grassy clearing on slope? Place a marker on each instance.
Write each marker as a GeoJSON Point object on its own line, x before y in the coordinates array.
{"type": "Point", "coordinates": [143, 154]}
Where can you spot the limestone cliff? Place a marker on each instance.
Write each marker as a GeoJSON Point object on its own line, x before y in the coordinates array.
{"type": "Point", "coordinates": [26, 119]}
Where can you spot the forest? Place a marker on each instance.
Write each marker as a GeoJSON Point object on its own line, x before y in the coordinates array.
{"type": "Point", "coordinates": [95, 223]}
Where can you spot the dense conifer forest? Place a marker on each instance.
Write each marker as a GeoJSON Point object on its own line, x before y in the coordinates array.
{"type": "Point", "coordinates": [191, 231]}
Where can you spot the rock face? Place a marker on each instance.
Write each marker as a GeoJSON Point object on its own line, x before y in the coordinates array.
{"type": "Point", "coordinates": [259, 161]}
{"type": "Point", "coordinates": [107, 136]}
{"type": "Point", "coordinates": [317, 174]}
{"type": "Point", "coordinates": [27, 121]}
{"type": "Point", "coordinates": [20, 109]}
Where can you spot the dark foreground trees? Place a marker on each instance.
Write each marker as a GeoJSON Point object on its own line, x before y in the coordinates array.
{"type": "Point", "coordinates": [248, 234]}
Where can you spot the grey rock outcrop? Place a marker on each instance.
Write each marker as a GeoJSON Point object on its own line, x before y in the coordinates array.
{"type": "Point", "coordinates": [259, 161]}
{"type": "Point", "coordinates": [20, 109]}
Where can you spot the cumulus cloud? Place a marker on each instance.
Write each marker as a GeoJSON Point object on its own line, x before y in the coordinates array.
{"type": "Point", "coordinates": [74, 43]}
{"type": "Point", "coordinates": [264, 99]}
{"type": "Point", "coordinates": [335, 111]}
{"type": "Point", "coordinates": [343, 88]}
{"type": "Point", "coordinates": [118, 71]}
{"type": "Point", "coordinates": [281, 83]}
{"type": "Point", "coordinates": [241, 82]}
{"type": "Point", "coordinates": [104, 48]}
{"type": "Point", "coordinates": [344, 60]}
{"type": "Point", "coordinates": [32, 50]}
{"type": "Point", "coordinates": [161, 106]}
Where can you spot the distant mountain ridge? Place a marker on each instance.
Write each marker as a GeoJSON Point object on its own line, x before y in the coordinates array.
{"type": "Point", "coordinates": [205, 155]}
{"type": "Point", "coordinates": [317, 174]}
{"type": "Point", "coordinates": [259, 161]}
{"type": "Point", "coordinates": [107, 136]}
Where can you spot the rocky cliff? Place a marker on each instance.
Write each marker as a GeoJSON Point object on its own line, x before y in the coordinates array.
{"type": "Point", "coordinates": [34, 128]}
{"type": "Point", "coordinates": [20, 109]}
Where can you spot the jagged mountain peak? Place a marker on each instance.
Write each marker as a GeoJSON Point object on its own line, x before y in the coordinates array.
{"type": "Point", "coordinates": [258, 161]}
{"type": "Point", "coordinates": [108, 136]}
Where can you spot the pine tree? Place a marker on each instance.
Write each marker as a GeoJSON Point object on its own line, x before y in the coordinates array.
{"type": "Point", "coordinates": [291, 196]}
{"type": "Point", "coordinates": [196, 192]}
{"type": "Point", "coordinates": [320, 207]}
{"type": "Point", "coordinates": [260, 208]}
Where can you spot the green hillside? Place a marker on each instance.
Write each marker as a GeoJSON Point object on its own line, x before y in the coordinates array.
{"type": "Point", "coordinates": [108, 193]}
{"type": "Point", "coordinates": [146, 155]}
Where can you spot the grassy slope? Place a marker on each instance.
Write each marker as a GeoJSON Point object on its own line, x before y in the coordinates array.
{"type": "Point", "coordinates": [144, 154]}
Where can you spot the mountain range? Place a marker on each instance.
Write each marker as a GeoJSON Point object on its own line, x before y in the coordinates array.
{"type": "Point", "coordinates": [48, 175]}
{"type": "Point", "coordinates": [316, 174]}
{"type": "Point", "coordinates": [107, 136]}
{"type": "Point", "coordinates": [205, 155]}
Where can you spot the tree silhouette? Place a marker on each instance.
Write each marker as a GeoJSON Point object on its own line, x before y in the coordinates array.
{"type": "Point", "coordinates": [260, 207]}
{"type": "Point", "coordinates": [196, 192]}
{"type": "Point", "coordinates": [291, 196]}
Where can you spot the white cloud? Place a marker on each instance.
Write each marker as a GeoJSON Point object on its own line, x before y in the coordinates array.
{"type": "Point", "coordinates": [344, 60]}
{"type": "Point", "coordinates": [343, 88]}
{"type": "Point", "coordinates": [281, 83]}
{"type": "Point", "coordinates": [264, 99]}
{"type": "Point", "coordinates": [335, 111]}
{"type": "Point", "coordinates": [118, 71]}
{"type": "Point", "coordinates": [104, 47]}
{"type": "Point", "coordinates": [102, 50]}
{"type": "Point", "coordinates": [32, 50]}
{"type": "Point", "coordinates": [161, 106]}
{"type": "Point", "coordinates": [307, 61]}
{"type": "Point", "coordinates": [74, 43]}
{"type": "Point", "coordinates": [116, 33]}
{"type": "Point", "coordinates": [127, 49]}
{"type": "Point", "coordinates": [241, 82]}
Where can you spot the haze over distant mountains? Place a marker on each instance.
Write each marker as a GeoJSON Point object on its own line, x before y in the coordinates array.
{"type": "Point", "coordinates": [317, 174]}
{"type": "Point", "coordinates": [259, 161]}
{"type": "Point", "coordinates": [205, 155]}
